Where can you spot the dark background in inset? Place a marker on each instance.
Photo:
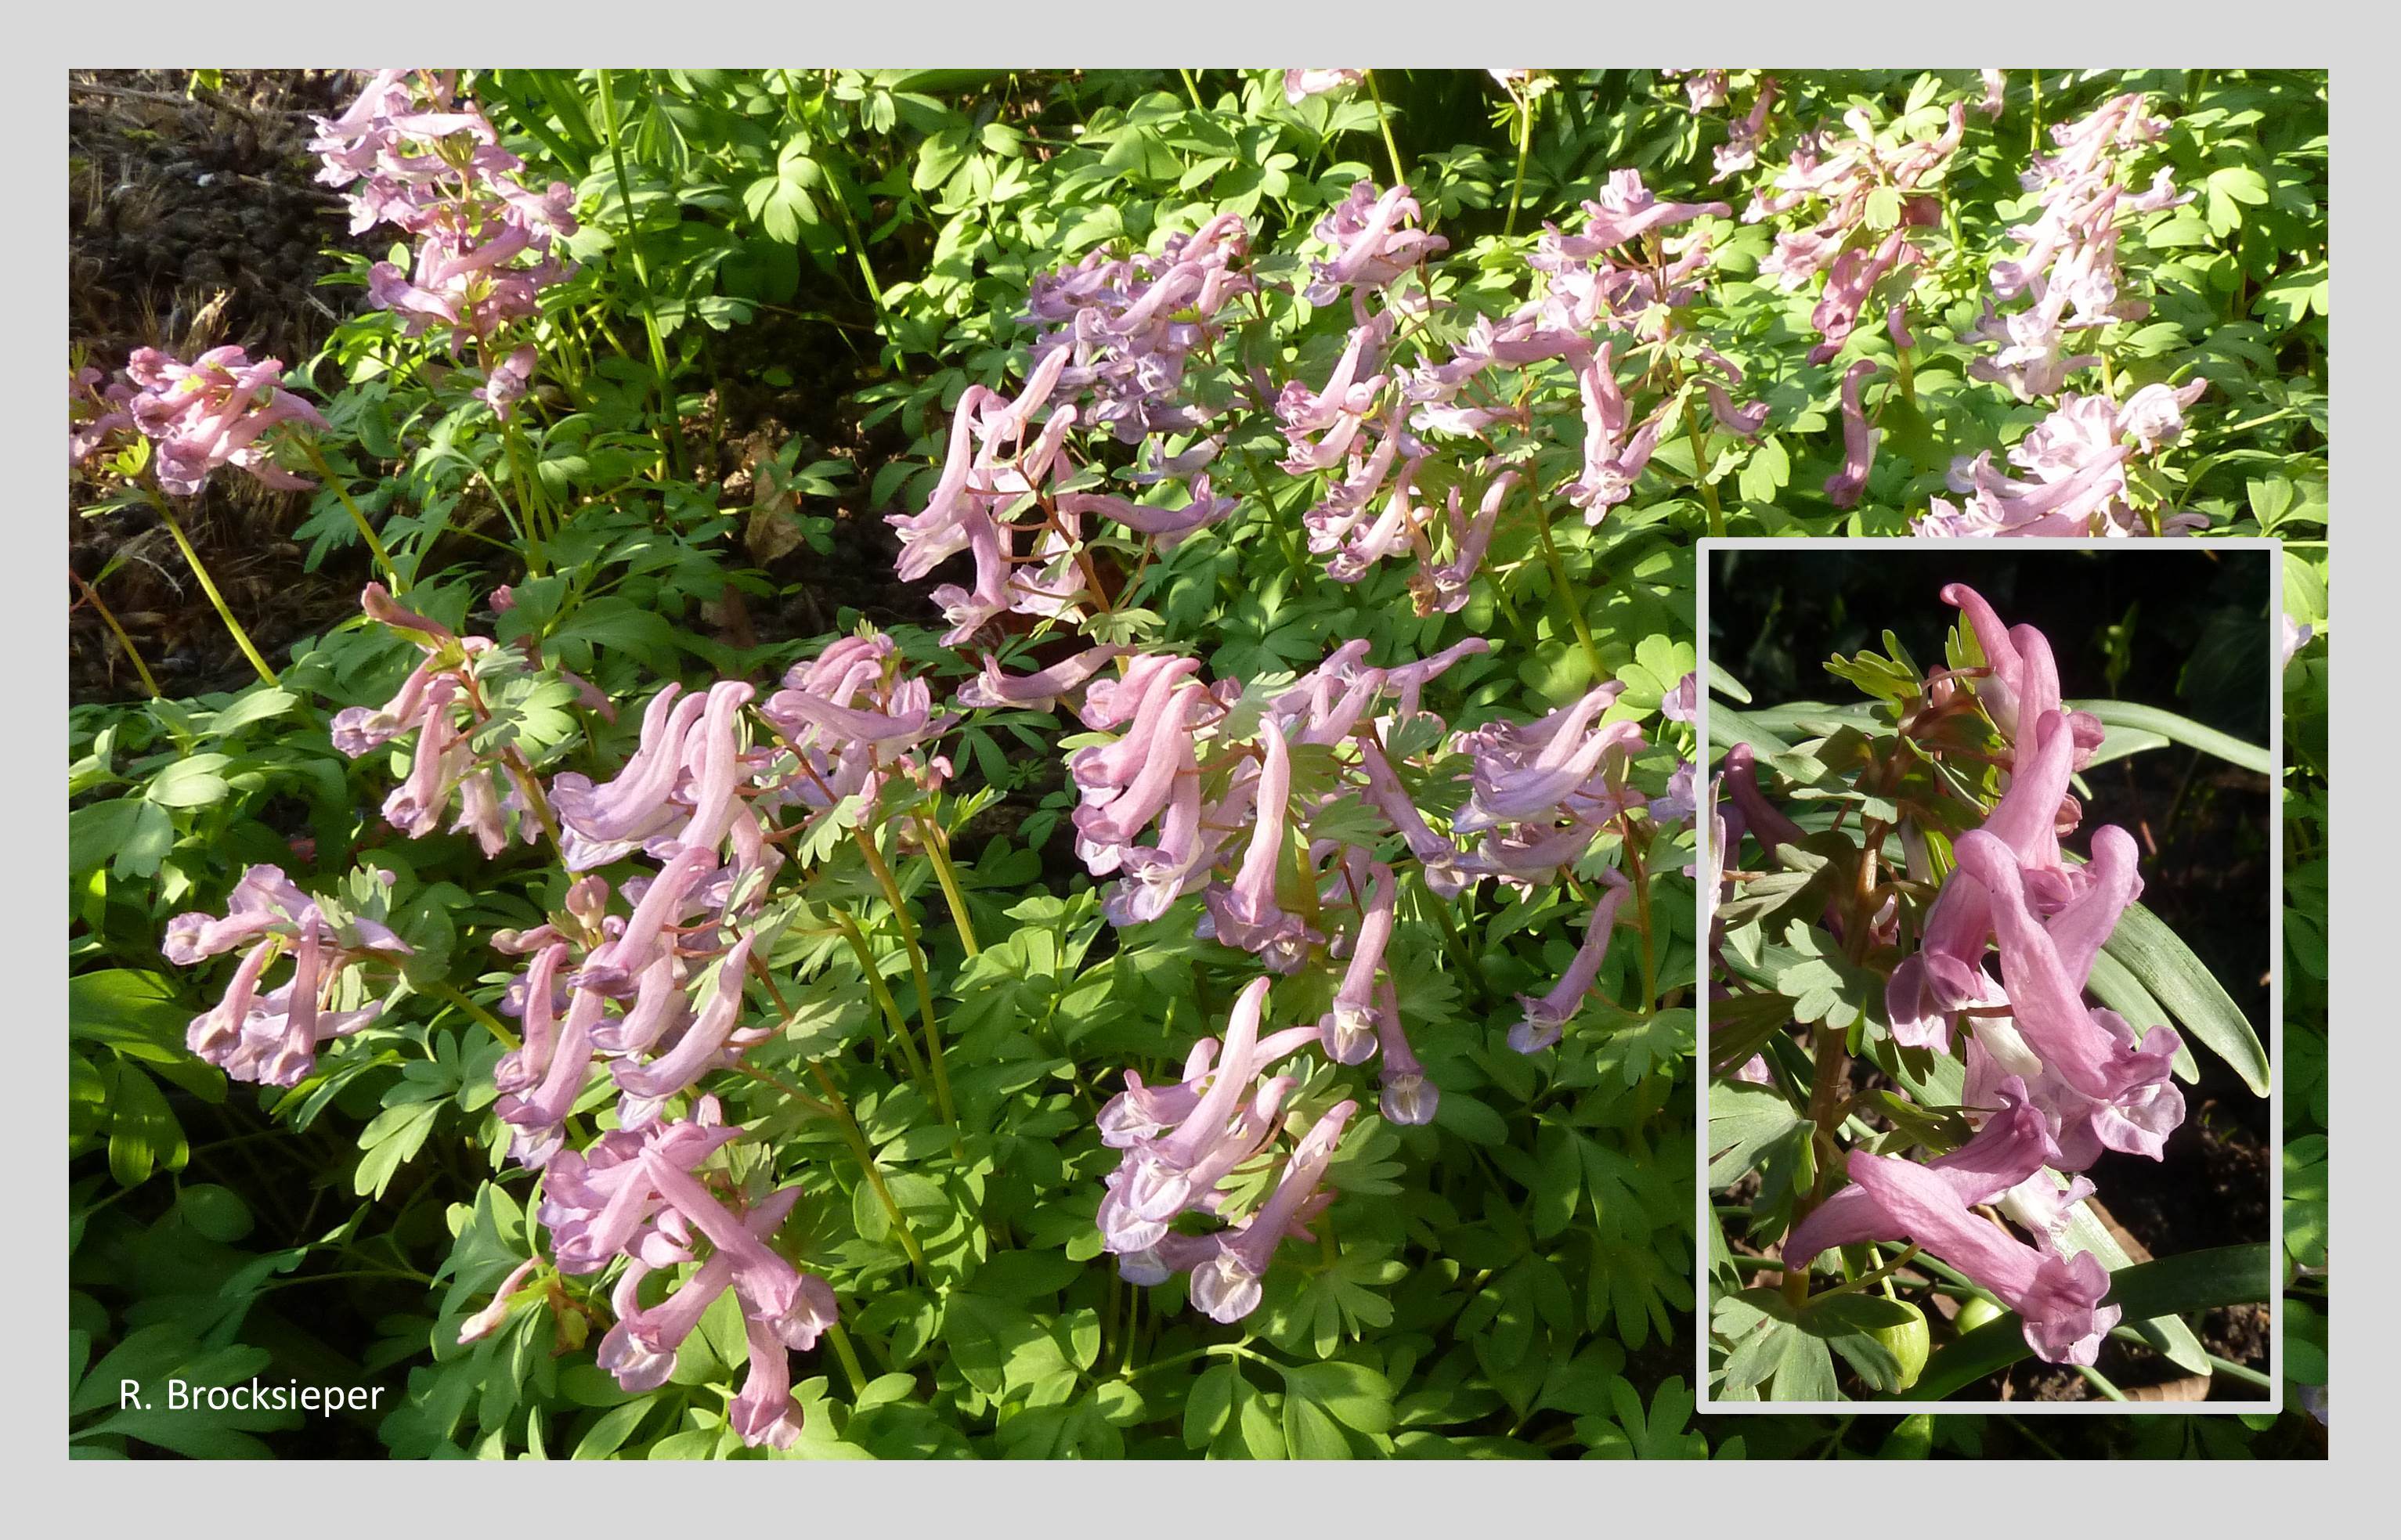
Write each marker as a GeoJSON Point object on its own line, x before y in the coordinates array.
{"type": "Point", "coordinates": [2185, 630]}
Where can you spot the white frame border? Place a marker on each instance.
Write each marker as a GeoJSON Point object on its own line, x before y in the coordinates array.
{"type": "Point", "coordinates": [1705, 862]}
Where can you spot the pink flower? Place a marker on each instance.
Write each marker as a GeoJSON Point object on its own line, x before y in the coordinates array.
{"type": "Point", "coordinates": [1547, 1016]}
{"type": "Point", "coordinates": [1844, 487]}
{"type": "Point", "coordinates": [271, 1036]}
{"type": "Point", "coordinates": [1299, 85]}
{"type": "Point", "coordinates": [215, 412]}
{"type": "Point", "coordinates": [1225, 1284]}
{"type": "Point", "coordinates": [1179, 1143]}
{"type": "Point", "coordinates": [2059, 1298]}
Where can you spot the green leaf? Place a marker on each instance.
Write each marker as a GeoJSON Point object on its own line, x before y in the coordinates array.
{"type": "Point", "coordinates": [143, 1133]}
{"type": "Point", "coordinates": [191, 781]}
{"type": "Point", "coordinates": [1209, 1405]}
{"type": "Point", "coordinates": [2160, 962]}
{"type": "Point", "coordinates": [2172, 1286]}
{"type": "Point", "coordinates": [607, 1435]}
{"type": "Point", "coordinates": [131, 832]}
{"type": "Point", "coordinates": [1352, 1394]}
{"type": "Point", "coordinates": [2178, 730]}
{"type": "Point", "coordinates": [257, 706]}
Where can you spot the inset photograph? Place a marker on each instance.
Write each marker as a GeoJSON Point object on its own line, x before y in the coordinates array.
{"type": "Point", "coordinates": [1990, 1007]}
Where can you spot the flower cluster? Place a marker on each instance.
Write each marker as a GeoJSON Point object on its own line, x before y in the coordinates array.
{"type": "Point", "coordinates": [2075, 463]}
{"type": "Point", "coordinates": [417, 159]}
{"type": "Point", "coordinates": [213, 411]}
{"type": "Point", "coordinates": [1868, 192]}
{"type": "Point", "coordinates": [645, 978]}
{"type": "Point", "coordinates": [642, 1196]}
{"type": "Point", "coordinates": [443, 701]}
{"type": "Point", "coordinates": [1130, 324]}
{"type": "Point", "coordinates": [1374, 429]}
{"type": "Point", "coordinates": [2053, 1082]}
{"type": "Point", "coordinates": [1295, 813]}
{"type": "Point", "coordinates": [271, 1036]}
{"type": "Point", "coordinates": [1180, 1141]}
{"type": "Point", "coordinates": [2067, 272]}
{"type": "Point", "coordinates": [1117, 358]}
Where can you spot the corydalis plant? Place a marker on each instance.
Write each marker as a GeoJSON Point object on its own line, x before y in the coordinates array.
{"type": "Point", "coordinates": [637, 985]}
{"type": "Point", "coordinates": [1987, 968]}
{"type": "Point", "coordinates": [218, 410]}
{"type": "Point", "coordinates": [415, 157]}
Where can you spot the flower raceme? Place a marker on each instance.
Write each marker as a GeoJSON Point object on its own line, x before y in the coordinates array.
{"type": "Point", "coordinates": [415, 158]}
{"type": "Point", "coordinates": [1182, 1142]}
{"type": "Point", "coordinates": [271, 1036]}
{"type": "Point", "coordinates": [2004, 954]}
{"type": "Point", "coordinates": [215, 411]}
{"type": "Point", "coordinates": [641, 1196]}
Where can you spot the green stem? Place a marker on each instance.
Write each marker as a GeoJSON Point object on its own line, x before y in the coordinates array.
{"type": "Point", "coordinates": [859, 252]}
{"type": "Point", "coordinates": [442, 988]}
{"type": "Point", "coordinates": [1192, 90]}
{"type": "Point", "coordinates": [1874, 1275]}
{"type": "Point", "coordinates": [1384, 125]}
{"type": "Point", "coordinates": [1567, 597]}
{"type": "Point", "coordinates": [849, 1357]}
{"type": "Point", "coordinates": [939, 848]}
{"type": "Point", "coordinates": [118, 632]}
{"type": "Point", "coordinates": [209, 587]}
{"type": "Point", "coordinates": [1641, 883]}
{"type": "Point", "coordinates": [668, 434]}
{"type": "Point", "coordinates": [2095, 1378]}
{"type": "Point", "coordinates": [2233, 1371]}
{"type": "Point", "coordinates": [1525, 144]}
{"type": "Point", "coordinates": [1457, 945]}
{"type": "Point", "coordinates": [366, 530]}
{"type": "Point", "coordinates": [1707, 488]}
{"type": "Point", "coordinates": [885, 880]}
{"type": "Point", "coordinates": [890, 1007]}
{"type": "Point", "coordinates": [866, 1158]}
{"type": "Point", "coordinates": [832, 1105]}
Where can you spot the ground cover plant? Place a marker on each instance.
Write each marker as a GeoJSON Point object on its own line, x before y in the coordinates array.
{"type": "Point", "coordinates": [1872, 855]}
{"type": "Point", "coordinates": [1008, 763]}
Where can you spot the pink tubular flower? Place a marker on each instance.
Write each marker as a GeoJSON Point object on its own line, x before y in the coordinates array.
{"type": "Point", "coordinates": [2024, 679]}
{"type": "Point", "coordinates": [1225, 1284]}
{"type": "Point", "coordinates": [1350, 1027]}
{"type": "Point", "coordinates": [2013, 1145]}
{"type": "Point", "coordinates": [95, 413]}
{"type": "Point", "coordinates": [1299, 85]}
{"type": "Point", "coordinates": [214, 412]}
{"type": "Point", "coordinates": [1373, 242]}
{"type": "Point", "coordinates": [1246, 912]}
{"type": "Point", "coordinates": [1946, 975]}
{"type": "Point", "coordinates": [487, 1320]}
{"type": "Point", "coordinates": [1180, 1143]}
{"type": "Point", "coordinates": [1741, 152]}
{"type": "Point", "coordinates": [2058, 1298]}
{"type": "Point", "coordinates": [271, 1036]}
{"type": "Point", "coordinates": [2124, 1081]}
{"type": "Point", "coordinates": [636, 1195]}
{"type": "Point", "coordinates": [1844, 487]}
{"type": "Point", "coordinates": [1854, 274]}
{"type": "Point", "coordinates": [1626, 209]}
{"type": "Point", "coordinates": [1407, 1097]}
{"type": "Point", "coordinates": [710, 1042]}
{"type": "Point", "coordinates": [1546, 1018]}
{"type": "Point", "coordinates": [1037, 691]}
